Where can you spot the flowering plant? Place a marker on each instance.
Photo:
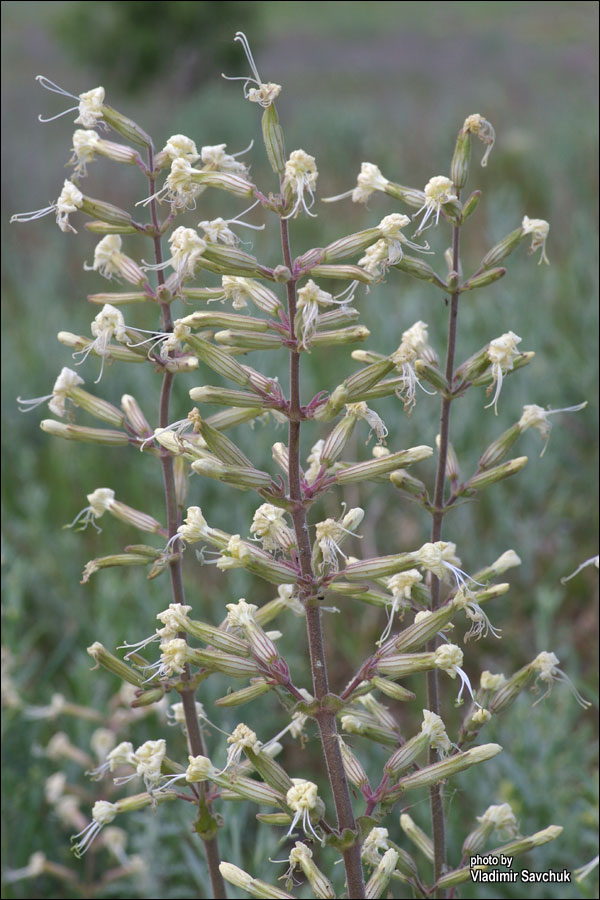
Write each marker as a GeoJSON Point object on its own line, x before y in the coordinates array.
{"type": "Point", "coordinates": [285, 308]}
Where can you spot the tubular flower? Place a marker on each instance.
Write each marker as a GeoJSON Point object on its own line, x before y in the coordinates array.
{"type": "Point", "coordinates": [179, 189]}
{"type": "Point", "coordinates": [240, 738]}
{"type": "Point", "coordinates": [547, 665]}
{"type": "Point", "coordinates": [400, 585]}
{"type": "Point", "coordinates": [100, 501]}
{"type": "Point", "coordinates": [414, 344]}
{"type": "Point", "coordinates": [368, 181]}
{"type": "Point", "coordinates": [304, 801]}
{"type": "Point", "coordinates": [214, 158]}
{"type": "Point", "coordinates": [463, 599]}
{"type": "Point", "coordinates": [179, 147]}
{"type": "Point", "coordinates": [484, 130]}
{"type": "Point", "coordinates": [300, 176]}
{"type": "Point", "coordinates": [87, 144]}
{"type": "Point", "coordinates": [438, 191]}
{"type": "Point", "coordinates": [173, 659]}
{"type": "Point", "coordinates": [376, 258]}
{"type": "Point", "coordinates": [107, 324]}
{"type": "Point", "coordinates": [449, 659]}
{"type": "Point", "coordinates": [148, 759]}
{"type": "Point", "coordinates": [121, 755]}
{"type": "Point", "coordinates": [69, 201]}
{"type": "Point", "coordinates": [103, 813]}
{"type": "Point", "coordinates": [538, 229]}
{"type": "Point", "coordinates": [264, 93]}
{"type": "Point", "coordinates": [109, 261]}
{"type": "Point", "coordinates": [500, 818]}
{"type": "Point", "coordinates": [375, 841]}
{"type": "Point", "coordinates": [490, 682]}
{"type": "Point", "coordinates": [435, 731]}
{"type": "Point", "coordinates": [362, 411]}
{"type": "Point", "coordinates": [89, 104]}
{"type": "Point", "coordinates": [314, 462]}
{"type": "Point", "coordinates": [310, 298]}
{"type": "Point", "coordinates": [537, 417]}
{"type": "Point", "coordinates": [502, 352]}
{"type": "Point", "coordinates": [270, 528]}
{"type": "Point", "coordinates": [60, 392]}
{"type": "Point", "coordinates": [391, 229]}
{"type": "Point", "coordinates": [330, 534]}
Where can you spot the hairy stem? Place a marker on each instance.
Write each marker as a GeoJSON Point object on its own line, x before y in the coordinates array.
{"type": "Point", "coordinates": [318, 663]}
{"type": "Point", "coordinates": [195, 739]}
{"type": "Point", "coordinates": [435, 792]}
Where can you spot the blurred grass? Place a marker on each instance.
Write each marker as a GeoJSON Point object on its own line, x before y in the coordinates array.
{"type": "Point", "coordinates": [389, 83]}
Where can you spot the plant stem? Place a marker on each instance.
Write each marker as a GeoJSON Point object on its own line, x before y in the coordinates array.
{"type": "Point", "coordinates": [435, 792]}
{"type": "Point", "coordinates": [325, 718]}
{"type": "Point", "coordinates": [195, 739]}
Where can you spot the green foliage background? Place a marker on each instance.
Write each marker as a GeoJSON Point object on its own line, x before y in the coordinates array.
{"type": "Point", "coordinates": [388, 82]}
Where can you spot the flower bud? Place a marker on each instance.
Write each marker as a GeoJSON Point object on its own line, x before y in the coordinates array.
{"type": "Point", "coordinates": [471, 204]}
{"type": "Point", "coordinates": [222, 446]}
{"type": "Point", "coordinates": [417, 836]}
{"type": "Point", "coordinates": [405, 482]}
{"type": "Point", "coordinates": [108, 562]}
{"type": "Point", "coordinates": [345, 273]}
{"type": "Point", "coordinates": [245, 695]}
{"type": "Point", "coordinates": [391, 689]}
{"type": "Point", "coordinates": [225, 181]}
{"type": "Point", "coordinates": [249, 340]}
{"type": "Point", "coordinates": [217, 661]}
{"type": "Point", "coordinates": [335, 403]}
{"type": "Point", "coordinates": [125, 127]}
{"type": "Point", "coordinates": [246, 882]}
{"type": "Point", "coordinates": [235, 262]}
{"type": "Point", "coordinates": [497, 473]}
{"type": "Point", "coordinates": [502, 249]}
{"type": "Point", "coordinates": [135, 416]}
{"type": "Point", "coordinates": [273, 139]}
{"type": "Point", "coordinates": [499, 448]}
{"type": "Point", "coordinates": [508, 693]}
{"type": "Point", "coordinates": [370, 469]}
{"type": "Point", "coordinates": [86, 435]}
{"type": "Point", "coordinates": [379, 566]}
{"type": "Point", "coordinates": [419, 269]}
{"type": "Point", "coordinates": [225, 397]}
{"type": "Point", "coordinates": [107, 660]}
{"type": "Point", "coordinates": [410, 196]}
{"type": "Point", "coordinates": [351, 245]}
{"type": "Point", "coordinates": [269, 770]}
{"type": "Point", "coordinates": [211, 318]}
{"type": "Point", "coordinates": [241, 477]}
{"type": "Point", "coordinates": [432, 375]}
{"type": "Point", "coordinates": [113, 351]}
{"type": "Point", "coordinates": [379, 880]}
{"type": "Point", "coordinates": [106, 212]}
{"type": "Point", "coordinates": [97, 407]}
{"type": "Point", "coordinates": [479, 281]}
{"type": "Point", "coordinates": [459, 168]}
{"type": "Point", "coordinates": [97, 227]}
{"type": "Point", "coordinates": [437, 772]}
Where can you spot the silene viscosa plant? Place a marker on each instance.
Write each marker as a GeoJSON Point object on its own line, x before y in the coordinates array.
{"type": "Point", "coordinates": [230, 304]}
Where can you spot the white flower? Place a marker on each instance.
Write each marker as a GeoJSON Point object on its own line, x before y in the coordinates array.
{"type": "Point", "coordinates": [484, 130]}
{"type": "Point", "coordinates": [148, 759]}
{"type": "Point", "coordinates": [269, 526]}
{"type": "Point", "coordinates": [435, 731]}
{"type": "Point", "coordinates": [439, 558]}
{"type": "Point", "coordinates": [490, 682]}
{"type": "Point", "coordinates": [109, 260]}
{"type": "Point", "coordinates": [215, 158]}
{"type": "Point", "coordinates": [103, 813]}
{"type": "Point", "coordinates": [200, 769]}
{"type": "Point", "coordinates": [330, 534]}
{"type": "Point", "coordinates": [500, 818]}
{"type": "Point", "coordinates": [263, 94]}
{"type": "Point", "coordinates": [69, 201]}
{"type": "Point", "coordinates": [438, 191]}
{"type": "Point", "coordinates": [538, 229]}
{"type": "Point", "coordinates": [100, 501]}
{"type": "Point", "coordinates": [362, 411]}
{"type": "Point", "coordinates": [375, 841]}
{"type": "Point", "coordinates": [241, 738]}
{"type": "Point", "coordinates": [310, 298]}
{"type": "Point", "coordinates": [369, 180]}
{"type": "Point", "coordinates": [463, 599]}
{"type": "Point", "coordinates": [219, 230]}
{"type": "Point", "coordinates": [414, 344]}
{"type": "Point", "coordinates": [502, 352]}
{"type": "Point", "coordinates": [66, 380]}
{"type": "Point", "coordinates": [547, 665]}
{"type": "Point", "coordinates": [449, 659]}
{"type": "Point", "coordinates": [89, 104]}
{"type": "Point", "coordinates": [86, 143]}
{"type": "Point", "coordinates": [300, 176]}
{"type": "Point", "coordinates": [314, 462]}
{"type": "Point", "coordinates": [376, 258]}
{"type": "Point", "coordinates": [173, 658]}
{"type": "Point", "coordinates": [304, 801]}
{"type": "Point", "coordinates": [34, 868]}
{"type": "Point", "coordinates": [391, 228]}
{"type": "Point", "coordinates": [400, 585]}
{"type": "Point", "coordinates": [181, 147]}
{"type": "Point", "coordinates": [537, 417]}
